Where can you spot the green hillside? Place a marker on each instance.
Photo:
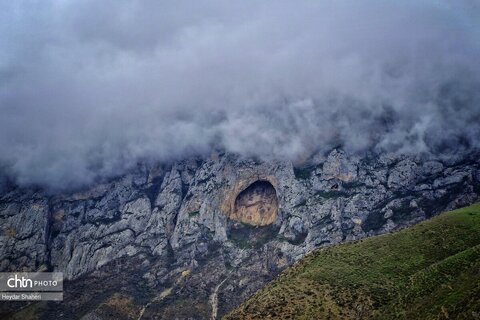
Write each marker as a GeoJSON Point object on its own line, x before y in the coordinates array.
{"type": "Point", "coordinates": [428, 271]}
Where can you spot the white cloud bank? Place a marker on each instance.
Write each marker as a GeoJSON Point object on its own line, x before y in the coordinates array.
{"type": "Point", "coordinates": [89, 88]}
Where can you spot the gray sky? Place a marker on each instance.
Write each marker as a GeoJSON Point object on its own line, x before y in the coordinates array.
{"type": "Point", "coordinates": [89, 88]}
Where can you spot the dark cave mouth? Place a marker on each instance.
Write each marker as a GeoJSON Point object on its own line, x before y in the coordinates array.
{"type": "Point", "coordinates": [257, 204]}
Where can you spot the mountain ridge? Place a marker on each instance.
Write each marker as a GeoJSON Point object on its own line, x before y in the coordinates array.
{"type": "Point", "coordinates": [171, 228]}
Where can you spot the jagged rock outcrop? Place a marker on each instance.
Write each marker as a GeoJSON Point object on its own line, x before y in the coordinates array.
{"type": "Point", "coordinates": [181, 230]}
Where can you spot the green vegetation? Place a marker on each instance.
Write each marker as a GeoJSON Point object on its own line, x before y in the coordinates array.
{"type": "Point", "coordinates": [246, 236]}
{"type": "Point", "coordinates": [303, 173]}
{"type": "Point", "coordinates": [301, 204]}
{"type": "Point", "coordinates": [331, 194]}
{"type": "Point", "coordinates": [428, 271]}
{"type": "Point", "coordinates": [193, 214]}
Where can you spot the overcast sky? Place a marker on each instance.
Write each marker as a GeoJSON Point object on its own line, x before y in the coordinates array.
{"type": "Point", "coordinates": [89, 88]}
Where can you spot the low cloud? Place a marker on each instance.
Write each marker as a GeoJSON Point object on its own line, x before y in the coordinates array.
{"type": "Point", "coordinates": [90, 88]}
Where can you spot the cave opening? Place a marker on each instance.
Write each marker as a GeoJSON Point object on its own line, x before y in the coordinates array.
{"type": "Point", "coordinates": [257, 204]}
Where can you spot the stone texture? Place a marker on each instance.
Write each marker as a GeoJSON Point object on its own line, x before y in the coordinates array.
{"type": "Point", "coordinates": [177, 226]}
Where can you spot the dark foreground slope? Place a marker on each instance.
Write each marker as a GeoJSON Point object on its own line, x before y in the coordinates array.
{"type": "Point", "coordinates": [428, 271]}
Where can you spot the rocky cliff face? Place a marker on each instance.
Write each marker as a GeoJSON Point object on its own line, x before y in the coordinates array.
{"type": "Point", "coordinates": [195, 238]}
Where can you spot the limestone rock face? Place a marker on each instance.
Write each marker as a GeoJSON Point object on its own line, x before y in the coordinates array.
{"type": "Point", "coordinates": [217, 229]}
{"type": "Point", "coordinates": [338, 166]}
{"type": "Point", "coordinates": [404, 174]}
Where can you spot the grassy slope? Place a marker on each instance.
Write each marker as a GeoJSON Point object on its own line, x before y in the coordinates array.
{"type": "Point", "coordinates": [428, 271]}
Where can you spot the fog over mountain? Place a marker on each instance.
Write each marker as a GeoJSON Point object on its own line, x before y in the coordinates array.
{"type": "Point", "coordinates": [90, 88]}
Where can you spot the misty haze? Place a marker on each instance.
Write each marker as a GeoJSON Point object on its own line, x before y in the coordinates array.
{"type": "Point", "coordinates": [87, 89]}
{"type": "Point", "coordinates": [175, 157]}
